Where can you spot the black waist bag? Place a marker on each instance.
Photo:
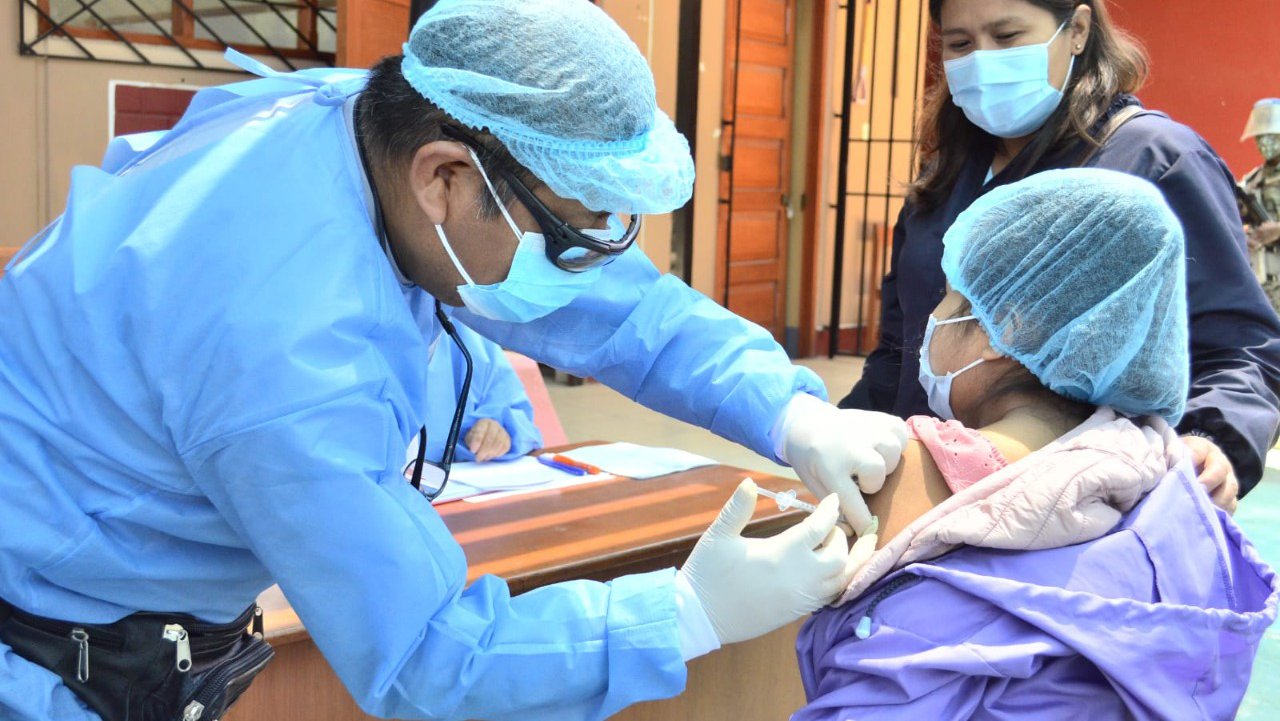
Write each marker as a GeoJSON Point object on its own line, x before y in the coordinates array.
{"type": "Point", "coordinates": [148, 666]}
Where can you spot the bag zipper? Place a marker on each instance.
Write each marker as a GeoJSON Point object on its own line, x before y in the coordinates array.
{"type": "Point", "coordinates": [182, 646]}
{"type": "Point", "coordinates": [217, 682]}
{"type": "Point", "coordinates": [81, 637]}
{"type": "Point", "coordinates": [863, 629]}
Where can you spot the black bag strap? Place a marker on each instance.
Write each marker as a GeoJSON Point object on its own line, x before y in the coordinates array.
{"type": "Point", "coordinates": [1114, 123]}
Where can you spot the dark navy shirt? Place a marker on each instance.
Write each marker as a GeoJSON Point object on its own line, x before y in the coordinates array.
{"type": "Point", "coordinates": [1235, 335]}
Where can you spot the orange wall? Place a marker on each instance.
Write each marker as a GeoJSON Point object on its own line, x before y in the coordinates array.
{"type": "Point", "coordinates": [1210, 62]}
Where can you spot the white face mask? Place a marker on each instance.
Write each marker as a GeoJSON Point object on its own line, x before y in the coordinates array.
{"type": "Point", "coordinates": [534, 286]}
{"type": "Point", "coordinates": [1007, 92]}
{"type": "Point", "coordinates": [936, 387]}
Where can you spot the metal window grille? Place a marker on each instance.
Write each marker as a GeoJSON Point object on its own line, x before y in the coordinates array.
{"type": "Point", "coordinates": [180, 33]}
{"type": "Point", "coordinates": [885, 52]}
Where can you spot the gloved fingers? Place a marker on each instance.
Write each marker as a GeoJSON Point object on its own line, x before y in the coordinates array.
{"type": "Point", "coordinates": [815, 483]}
{"type": "Point", "coordinates": [890, 450]}
{"type": "Point", "coordinates": [831, 555]}
{"type": "Point", "coordinates": [863, 549]}
{"type": "Point", "coordinates": [737, 512]}
{"type": "Point", "coordinates": [853, 507]}
{"type": "Point", "coordinates": [810, 532]}
{"type": "Point", "coordinates": [870, 469]}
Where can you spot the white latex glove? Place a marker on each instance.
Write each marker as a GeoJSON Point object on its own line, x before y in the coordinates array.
{"type": "Point", "coordinates": [750, 586]}
{"type": "Point", "coordinates": [828, 447]}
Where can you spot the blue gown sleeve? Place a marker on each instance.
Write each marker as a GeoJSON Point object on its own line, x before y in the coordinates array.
{"type": "Point", "coordinates": [668, 347]}
{"type": "Point", "coordinates": [1235, 335]}
{"type": "Point", "coordinates": [497, 394]}
{"type": "Point", "coordinates": [378, 581]}
{"type": "Point", "coordinates": [877, 388]}
{"type": "Point", "coordinates": [293, 418]}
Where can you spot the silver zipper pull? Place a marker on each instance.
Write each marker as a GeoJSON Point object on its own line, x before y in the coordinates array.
{"type": "Point", "coordinates": [178, 634]}
{"type": "Point", "coordinates": [193, 711]}
{"type": "Point", "coordinates": [81, 637]}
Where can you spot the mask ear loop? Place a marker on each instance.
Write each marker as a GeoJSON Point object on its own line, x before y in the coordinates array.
{"type": "Point", "coordinates": [949, 321]}
{"type": "Point", "coordinates": [515, 229]}
{"type": "Point", "coordinates": [444, 240]}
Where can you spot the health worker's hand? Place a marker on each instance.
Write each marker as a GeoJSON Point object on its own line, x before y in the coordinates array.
{"type": "Point", "coordinates": [487, 439]}
{"type": "Point", "coordinates": [1215, 471]}
{"type": "Point", "coordinates": [829, 447]}
{"type": "Point", "coordinates": [751, 586]}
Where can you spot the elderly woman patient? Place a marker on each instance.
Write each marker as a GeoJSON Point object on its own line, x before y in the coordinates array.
{"type": "Point", "coordinates": [1048, 552]}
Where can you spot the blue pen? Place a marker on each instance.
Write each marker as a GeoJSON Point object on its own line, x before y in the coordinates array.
{"type": "Point", "coordinates": [547, 461]}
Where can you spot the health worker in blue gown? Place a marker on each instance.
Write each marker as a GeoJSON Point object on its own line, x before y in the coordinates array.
{"type": "Point", "coordinates": [213, 374]}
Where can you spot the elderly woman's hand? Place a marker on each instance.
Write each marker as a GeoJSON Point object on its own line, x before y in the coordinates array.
{"type": "Point", "coordinates": [1215, 472]}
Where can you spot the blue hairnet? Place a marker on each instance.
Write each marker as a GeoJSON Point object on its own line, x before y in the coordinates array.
{"type": "Point", "coordinates": [1080, 276]}
{"type": "Point", "coordinates": [564, 89]}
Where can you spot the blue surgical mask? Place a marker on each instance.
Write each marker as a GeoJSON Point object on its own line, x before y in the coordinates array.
{"type": "Point", "coordinates": [938, 387]}
{"type": "Point", "coordinates": [534, 286]}
{"type": "Point", "coordinates": [1007, 92]}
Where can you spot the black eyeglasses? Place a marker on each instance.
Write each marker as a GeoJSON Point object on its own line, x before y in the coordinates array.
{"type": "Point", "coordinates": [430, 477]}
{"type": "Point", "coordinates": [567, 247]}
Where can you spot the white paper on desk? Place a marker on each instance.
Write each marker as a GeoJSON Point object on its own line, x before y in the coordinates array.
{"type": "Point", "coordinates": [505, 475]}
{"type": "Point", "coordinates": [469, 478]}
{"type": "Point", "coordinates": [635, 461]}
{"type": "Point", "coordinates": [564, 483]}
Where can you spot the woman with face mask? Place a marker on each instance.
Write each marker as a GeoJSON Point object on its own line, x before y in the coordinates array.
{"type": "Point", "coordinates": [1033, 85]}
{"type": "Point", "coordinates": [1048, 551]}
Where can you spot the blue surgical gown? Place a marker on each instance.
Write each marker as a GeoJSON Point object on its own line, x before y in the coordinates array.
{"type": "Point", "coordinates": [210, 379]}
{"type": "Point", "coordinates": [496, 394]}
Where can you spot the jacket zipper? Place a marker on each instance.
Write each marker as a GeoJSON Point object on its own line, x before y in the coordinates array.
{"type": "Point", "coordinates": [863, 630]}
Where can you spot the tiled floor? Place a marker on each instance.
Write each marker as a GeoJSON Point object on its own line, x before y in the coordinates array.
{"type": "Point", "coordinates": [595, 412]}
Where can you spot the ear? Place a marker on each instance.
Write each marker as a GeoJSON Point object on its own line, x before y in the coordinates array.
{"type": "Point", "coordinates": [1081, 26]}
{"type": "Point", "coordinates": [439, 170]}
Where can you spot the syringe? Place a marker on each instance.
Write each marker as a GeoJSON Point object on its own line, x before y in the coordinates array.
{"type": "Point", "coordinates": [787, 499]}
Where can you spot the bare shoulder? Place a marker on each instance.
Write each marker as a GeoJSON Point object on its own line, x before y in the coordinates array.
{"type": "Point", "coordinates": [912, 490]}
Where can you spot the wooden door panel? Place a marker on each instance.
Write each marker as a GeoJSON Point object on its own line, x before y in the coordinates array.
{"type": "Point", "coordinates": [757, 110]}
{"type": "Point", "coordinates": [756, 234]}
{"type": "Point", "coordinates": [759, 165]}
{"type": "Point", "coordinates": [368, 30]}
{"type": "Point", "coordinates": [755, 302]}
{"type": "Point", "coordinates": [766, 20]}
{"type": "Point", "coordinates": [767, 86]}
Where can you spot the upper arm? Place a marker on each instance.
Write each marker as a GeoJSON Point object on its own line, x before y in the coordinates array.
{"type": "Point", "coordinates": [668, 347]}
{"type": "Point", "coordinates": [911, 491]}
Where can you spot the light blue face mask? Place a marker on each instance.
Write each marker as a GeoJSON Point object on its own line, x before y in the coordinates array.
{"type": "Point", "coordinates": [936, 387]}
{"type": "Point", "coordinates": [1007, 92]}
{"type": "Point", "coordinates": [534, 286]}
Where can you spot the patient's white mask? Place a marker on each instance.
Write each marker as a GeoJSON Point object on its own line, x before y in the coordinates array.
{"type": "Point", "coordinates": [938, 387]}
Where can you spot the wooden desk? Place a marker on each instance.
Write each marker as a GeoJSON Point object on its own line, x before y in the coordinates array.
{"type": "Point", "coordinates": [598, 531]}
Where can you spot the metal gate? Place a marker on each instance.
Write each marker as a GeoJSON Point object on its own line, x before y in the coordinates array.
{"type": "Point", "coordinates": [884, 63]}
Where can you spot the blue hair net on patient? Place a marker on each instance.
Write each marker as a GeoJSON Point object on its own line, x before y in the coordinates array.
{"type": "Point", "coordinates": [564, 89]}
{"type": "Point", "coordinates": [1080, 276]}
